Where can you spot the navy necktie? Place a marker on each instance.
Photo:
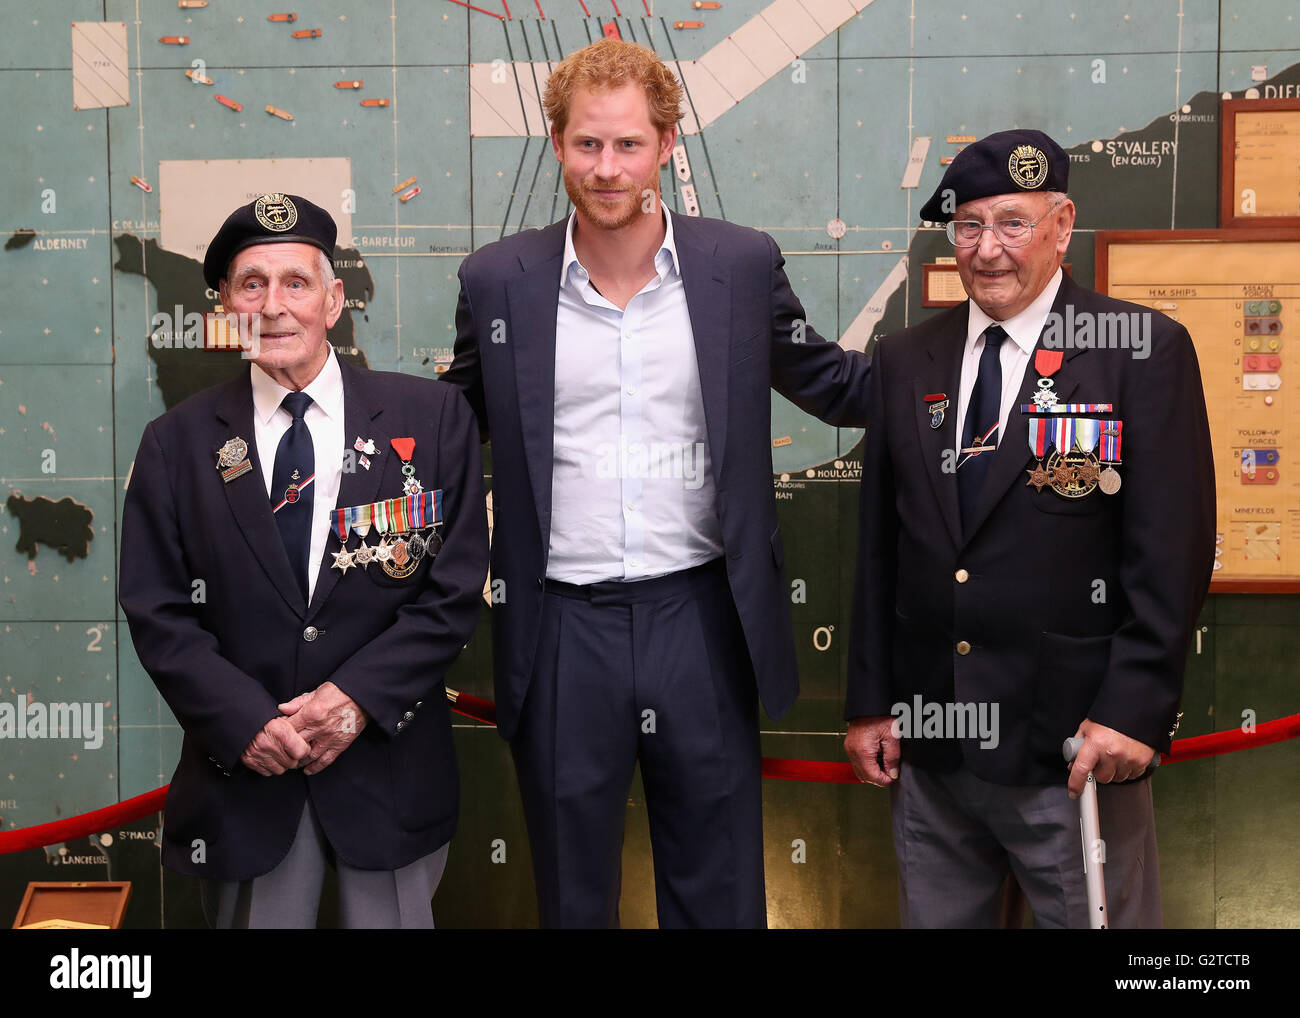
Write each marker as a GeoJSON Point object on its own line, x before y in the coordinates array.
{"type": "Point", "coordinates": [982, 414]}
{"type": "Point", "coordinates": [292, 482]}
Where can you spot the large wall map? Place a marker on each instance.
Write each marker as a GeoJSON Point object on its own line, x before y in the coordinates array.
{"type": "Point", "coordinates": [824, 122]}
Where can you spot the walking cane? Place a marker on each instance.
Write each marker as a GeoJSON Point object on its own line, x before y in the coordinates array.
{"type": "Point", "coordinates": [1093, 848]}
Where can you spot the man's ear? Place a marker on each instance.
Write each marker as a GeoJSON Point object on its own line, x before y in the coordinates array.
{"type": "Point", "coordinates": [667, 142]}
{"type": "Point", "coordinates": [1064, 225]}
{"type": "Point", "coordinates": [223, 291]}
{"type": "Point", "coordinates": [335, 308]}
{"type": "Point", "coordinates": [557, 144]}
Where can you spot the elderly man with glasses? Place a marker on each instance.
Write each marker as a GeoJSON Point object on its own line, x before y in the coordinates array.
{"type": "Point", "coordinates": [1037, 538]}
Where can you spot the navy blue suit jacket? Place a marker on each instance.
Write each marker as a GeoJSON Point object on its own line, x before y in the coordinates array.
{"type": "Point", "coordinates": [748, 326]}
{"type": "Point", "coordinates": [1072, 608]}
{"type": "Point", "coordinates": [223, 661]}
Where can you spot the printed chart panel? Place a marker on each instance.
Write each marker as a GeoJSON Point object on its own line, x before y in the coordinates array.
{"type": "Point", "coordinates": [1238, 294]}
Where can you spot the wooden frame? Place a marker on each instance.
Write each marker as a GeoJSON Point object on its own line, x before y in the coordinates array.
{"type": "Point", "coordinates": [930, 268]}
{"type": "Point", "coordinates": [1106, 239]}
{"type": "Point", "coordinates": [1229, 216]}
{"type": "Point", "coordinates": [102, 902]}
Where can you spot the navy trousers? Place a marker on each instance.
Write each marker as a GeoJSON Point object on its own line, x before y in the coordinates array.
{"type": "Point", "coordinates": [655, 670]}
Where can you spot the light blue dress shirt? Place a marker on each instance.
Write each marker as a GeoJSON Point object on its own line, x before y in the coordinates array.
{"type": "Point", "coordinates": [632, 484]}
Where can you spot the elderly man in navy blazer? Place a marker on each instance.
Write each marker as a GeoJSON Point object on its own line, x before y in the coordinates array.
{"type": "Point", "coordinates": [621, 362]}
{"type": "Point", "coordinates": [303, 553]}
{"type": "Point", "coordinates": [1037, 538]}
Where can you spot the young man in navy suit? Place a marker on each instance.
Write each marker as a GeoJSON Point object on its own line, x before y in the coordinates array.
{"type": "Point", "coordinates": [303, 553]}
{"type": "Point", "coordinates": [621, 362]}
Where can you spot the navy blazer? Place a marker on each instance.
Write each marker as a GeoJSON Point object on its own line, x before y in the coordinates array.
{"type": "Point", "coordinates": [751, 335]}
{"type": "Point", "coordinates": [224, 660]}
{"type": "Point", "coordinates": [1072, 608]}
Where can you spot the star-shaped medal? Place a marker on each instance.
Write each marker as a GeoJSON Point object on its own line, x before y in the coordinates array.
{"type": "Point", "coordinates": [1064, 474]}
{"type": "Point", "coordinates": [343, 561]}
{"type": "Point", "coordinates": [1038, 477]}
{"type": "Point", "coordinates": [1088, 472]}
{"type": "Point", "coordinates": [412, 487]}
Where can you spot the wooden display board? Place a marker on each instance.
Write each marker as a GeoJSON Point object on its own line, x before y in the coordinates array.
{"type": "Point", "coordinates": [81, 904]}
{"type": "Point", "coordinates": [1259, 179]}
{"type": "Point", "coordinates": [1238, 293]}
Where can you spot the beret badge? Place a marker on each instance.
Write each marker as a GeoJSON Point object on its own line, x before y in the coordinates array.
{"type": "Point", "coordinates": [276, 212]}
{"type": "Point", "coordinates": [1027, 166]}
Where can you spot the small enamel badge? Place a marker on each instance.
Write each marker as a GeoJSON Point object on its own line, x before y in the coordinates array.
{"type": "Point", "coordinates": [232, 459]}
{"type": "Point", "coordinates": [365, 445]}
{"type": "Point", "coordinates": [935, 404]}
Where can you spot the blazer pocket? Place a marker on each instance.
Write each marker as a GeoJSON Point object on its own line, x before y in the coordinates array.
{"type": "Point", "coordinates": [1069, 672]}
{"type": "Point", "coordinates": [1048, 501]}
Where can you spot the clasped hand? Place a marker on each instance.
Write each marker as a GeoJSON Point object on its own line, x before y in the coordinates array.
{"type": "Point", "coordinates": [314, 729]}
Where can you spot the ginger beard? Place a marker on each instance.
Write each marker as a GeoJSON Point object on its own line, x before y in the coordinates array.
{"type": "Point", "coordinates": [610, 204]}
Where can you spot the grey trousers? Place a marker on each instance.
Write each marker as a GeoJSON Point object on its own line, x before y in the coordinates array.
{"type": "Point", "coordinates": [957, 836]}
{"type": "Point", "coordinates": [288, 896]}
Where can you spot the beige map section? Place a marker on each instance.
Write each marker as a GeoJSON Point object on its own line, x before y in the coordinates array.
{"type": "Point", "coordinates": [1205, 286]}
{"type": "Point", "coordinates": [1267, 161]}
{"type": "Point", "coordinates": [196, 195]}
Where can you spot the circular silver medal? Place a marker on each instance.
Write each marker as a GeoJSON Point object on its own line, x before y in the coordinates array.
{"type": "Point", "coordinates": [1109, 481]}
{"type": "Point", "coordinates": [415, 547]}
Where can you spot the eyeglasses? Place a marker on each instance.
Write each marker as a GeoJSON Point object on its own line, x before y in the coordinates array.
{"type": "Point", "coordinates": [1009, 232]}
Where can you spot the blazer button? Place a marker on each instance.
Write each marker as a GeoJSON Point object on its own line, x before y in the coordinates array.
{"type": "Point", "coordinates": [408, 716]}
{"type": "Point", "coordinates": [401, 725]}
{"type": "Point", "coordinates": [310, 633]}
{"type": "Point", "coordinates": [419, 704]}
{"type": "Point", "coordinates": [541, 583]}
{"type": "Point", "coordinates": [961, 575]}
{"type": "Point", "coordinates": [963, 647]}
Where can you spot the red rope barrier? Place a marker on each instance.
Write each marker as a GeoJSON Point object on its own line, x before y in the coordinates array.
{"type": "Point", "coordinates": [775, 768]}
{"type": "Point", "coordinates": [23, 838]}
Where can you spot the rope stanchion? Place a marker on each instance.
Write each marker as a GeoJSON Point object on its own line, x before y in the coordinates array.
{"type": "Point", "coordinates": [774, 768]}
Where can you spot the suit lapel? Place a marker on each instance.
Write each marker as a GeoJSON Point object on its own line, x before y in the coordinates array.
{"type": "Point", "coordinates": [1012, 456]}
{"type": "Point", "coordinates": [534, 298]}
{"type": "Point", "coordinates": [247, 498]}
{"type": "Point", "coordinates": [358, 486]}
{"type": "Point", "coordinates": [707, 284]}
{"type": "Point", "coordinates": [937, 444]}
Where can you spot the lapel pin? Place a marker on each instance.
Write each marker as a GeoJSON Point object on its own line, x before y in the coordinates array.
{"type": "Point", "coordinates": [935, 404]}
{"type": "Point", "coordinates": [232, 459]}
{"type": "Point", "coordinates": [365, 445]}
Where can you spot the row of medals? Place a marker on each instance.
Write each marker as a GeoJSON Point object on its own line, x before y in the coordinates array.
{"type": "Point", "coordinates": [397, 556]}
{"type": "Point", "coordinates": [1075, 473]}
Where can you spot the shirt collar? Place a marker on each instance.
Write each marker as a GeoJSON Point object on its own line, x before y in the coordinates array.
{"type": "Point", "coordinates": [665, 257]}
{"type": "Point", "coordinates": [1024, 328]}
{"type": "Point", "coordinates": [325, 390]}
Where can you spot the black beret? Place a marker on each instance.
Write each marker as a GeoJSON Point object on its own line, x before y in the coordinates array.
{"type": "Point", "coordinates": [270, 219]}
{"type": "Point", "coordinates": [1002, 163]}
